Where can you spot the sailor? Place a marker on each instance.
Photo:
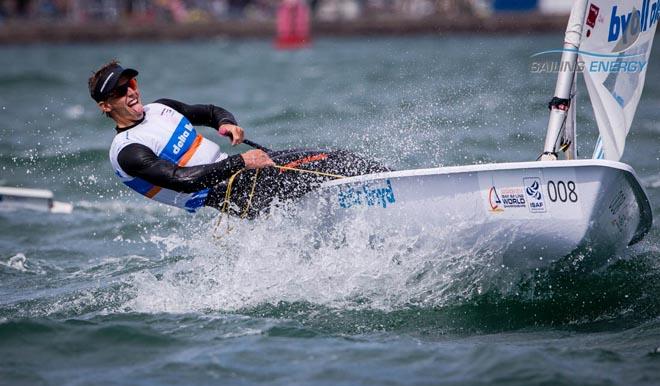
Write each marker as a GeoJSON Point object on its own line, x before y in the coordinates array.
{"type": "Point", "coordinates": [157, 151]}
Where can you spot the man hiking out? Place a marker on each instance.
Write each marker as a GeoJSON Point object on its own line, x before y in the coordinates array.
{"type": "Point", "coordinates": [157, 151]}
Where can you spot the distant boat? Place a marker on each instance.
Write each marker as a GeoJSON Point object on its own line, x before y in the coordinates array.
{"type": "Point", "coordinates": [33, 199]}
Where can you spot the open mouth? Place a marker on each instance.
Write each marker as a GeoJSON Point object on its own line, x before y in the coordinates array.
{"type": "Point", "coordinates": [135, 106]}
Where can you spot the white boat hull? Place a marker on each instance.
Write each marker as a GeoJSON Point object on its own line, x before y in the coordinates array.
{"type": "Point", "coordinates": [526, 214]}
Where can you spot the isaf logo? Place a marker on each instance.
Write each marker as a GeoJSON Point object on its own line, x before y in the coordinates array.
{"type": "Point", "coordinates": [533, 191]}
{"type": "Point", "coordinates": [535, 200]}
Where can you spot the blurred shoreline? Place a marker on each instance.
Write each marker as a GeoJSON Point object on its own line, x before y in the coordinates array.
{"type": "Point", "coordinates": [22, 32]}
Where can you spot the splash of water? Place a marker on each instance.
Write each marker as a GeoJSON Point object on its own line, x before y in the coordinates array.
{"type": "Point", "coordinates": [17, 262]}
{"type": "Point", "coordinates": [352, 264]}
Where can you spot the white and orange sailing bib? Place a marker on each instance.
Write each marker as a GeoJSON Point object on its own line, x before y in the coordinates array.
{"type": "Point", "coordinates": [173, 138]}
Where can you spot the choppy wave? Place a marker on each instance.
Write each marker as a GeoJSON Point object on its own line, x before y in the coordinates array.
{"type": "Point", "coordinates": [204, 349]}
{"type": "Point", "coordinates": [622, 296]}
{"type": "Point", "coordinates": [652, 181]}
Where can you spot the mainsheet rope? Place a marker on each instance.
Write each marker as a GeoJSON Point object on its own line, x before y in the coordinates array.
{"type": "Point", "coordinates": [224, 208]}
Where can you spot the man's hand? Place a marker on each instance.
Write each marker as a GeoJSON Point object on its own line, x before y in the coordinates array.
{"type": "Point", "coordinates": [235, 133]}
{"type": "Point", "coordinates": [548, 157]}
{"type": "Point", "coordinates": [257, 159]}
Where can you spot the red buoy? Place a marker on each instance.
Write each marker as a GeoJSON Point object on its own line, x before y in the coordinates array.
{"type": "Point", "coordinates": [293, 25]}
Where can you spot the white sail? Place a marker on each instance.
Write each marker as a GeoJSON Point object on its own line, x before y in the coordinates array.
{"type": "Point", "coordinates": [616, 44]}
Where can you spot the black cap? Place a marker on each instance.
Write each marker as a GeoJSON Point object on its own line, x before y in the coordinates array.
{"type": "Point", "coordinates": [108, 80]}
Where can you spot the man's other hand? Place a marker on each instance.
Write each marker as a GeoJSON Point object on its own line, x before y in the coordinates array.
{"type": "Point", "coordinates": [235, 133]}
{"type": "Point", "coordinates": [257, 159]}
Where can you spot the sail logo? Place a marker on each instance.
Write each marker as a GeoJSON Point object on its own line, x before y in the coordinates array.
{"type": "Point", "coordinates": [592, 17]}
{"type": "Point", "coordinates": [534, 194]}
{"type": "Point", "coordinates": [367, 195]}
{"type": "Point", "coordinates": [633, 22]}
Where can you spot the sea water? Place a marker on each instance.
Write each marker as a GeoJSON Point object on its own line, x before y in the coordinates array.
{"type": "Point", "coordinates": [125, 291]}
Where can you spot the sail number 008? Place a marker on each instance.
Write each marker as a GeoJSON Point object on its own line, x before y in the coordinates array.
{"type": "Point", "coordinates": [562, 191]}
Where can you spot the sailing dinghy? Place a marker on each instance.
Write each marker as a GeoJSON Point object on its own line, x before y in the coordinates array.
{"type": "Point", "coordinates": [531, 213]}
{"type": "Point", "coordinates": [33, 199]}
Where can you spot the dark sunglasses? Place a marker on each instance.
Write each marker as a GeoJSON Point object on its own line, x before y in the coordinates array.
{"type": "Point", "coordinates": [120, 90]}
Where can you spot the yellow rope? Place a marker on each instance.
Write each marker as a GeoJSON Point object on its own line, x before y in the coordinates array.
{"type": "Point", "coordinates": [249, 203]}
{"type": "Point", "coordinates": [224, 208]}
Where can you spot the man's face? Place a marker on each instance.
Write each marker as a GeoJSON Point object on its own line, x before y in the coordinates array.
{"type": "Point", "coordinates": [124, 103]}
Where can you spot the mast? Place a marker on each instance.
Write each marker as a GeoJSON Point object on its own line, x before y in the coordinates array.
{"type": "Point", "coordinates": [561, 103]}
{"type": "Point", "coordinates": [569, 135]}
